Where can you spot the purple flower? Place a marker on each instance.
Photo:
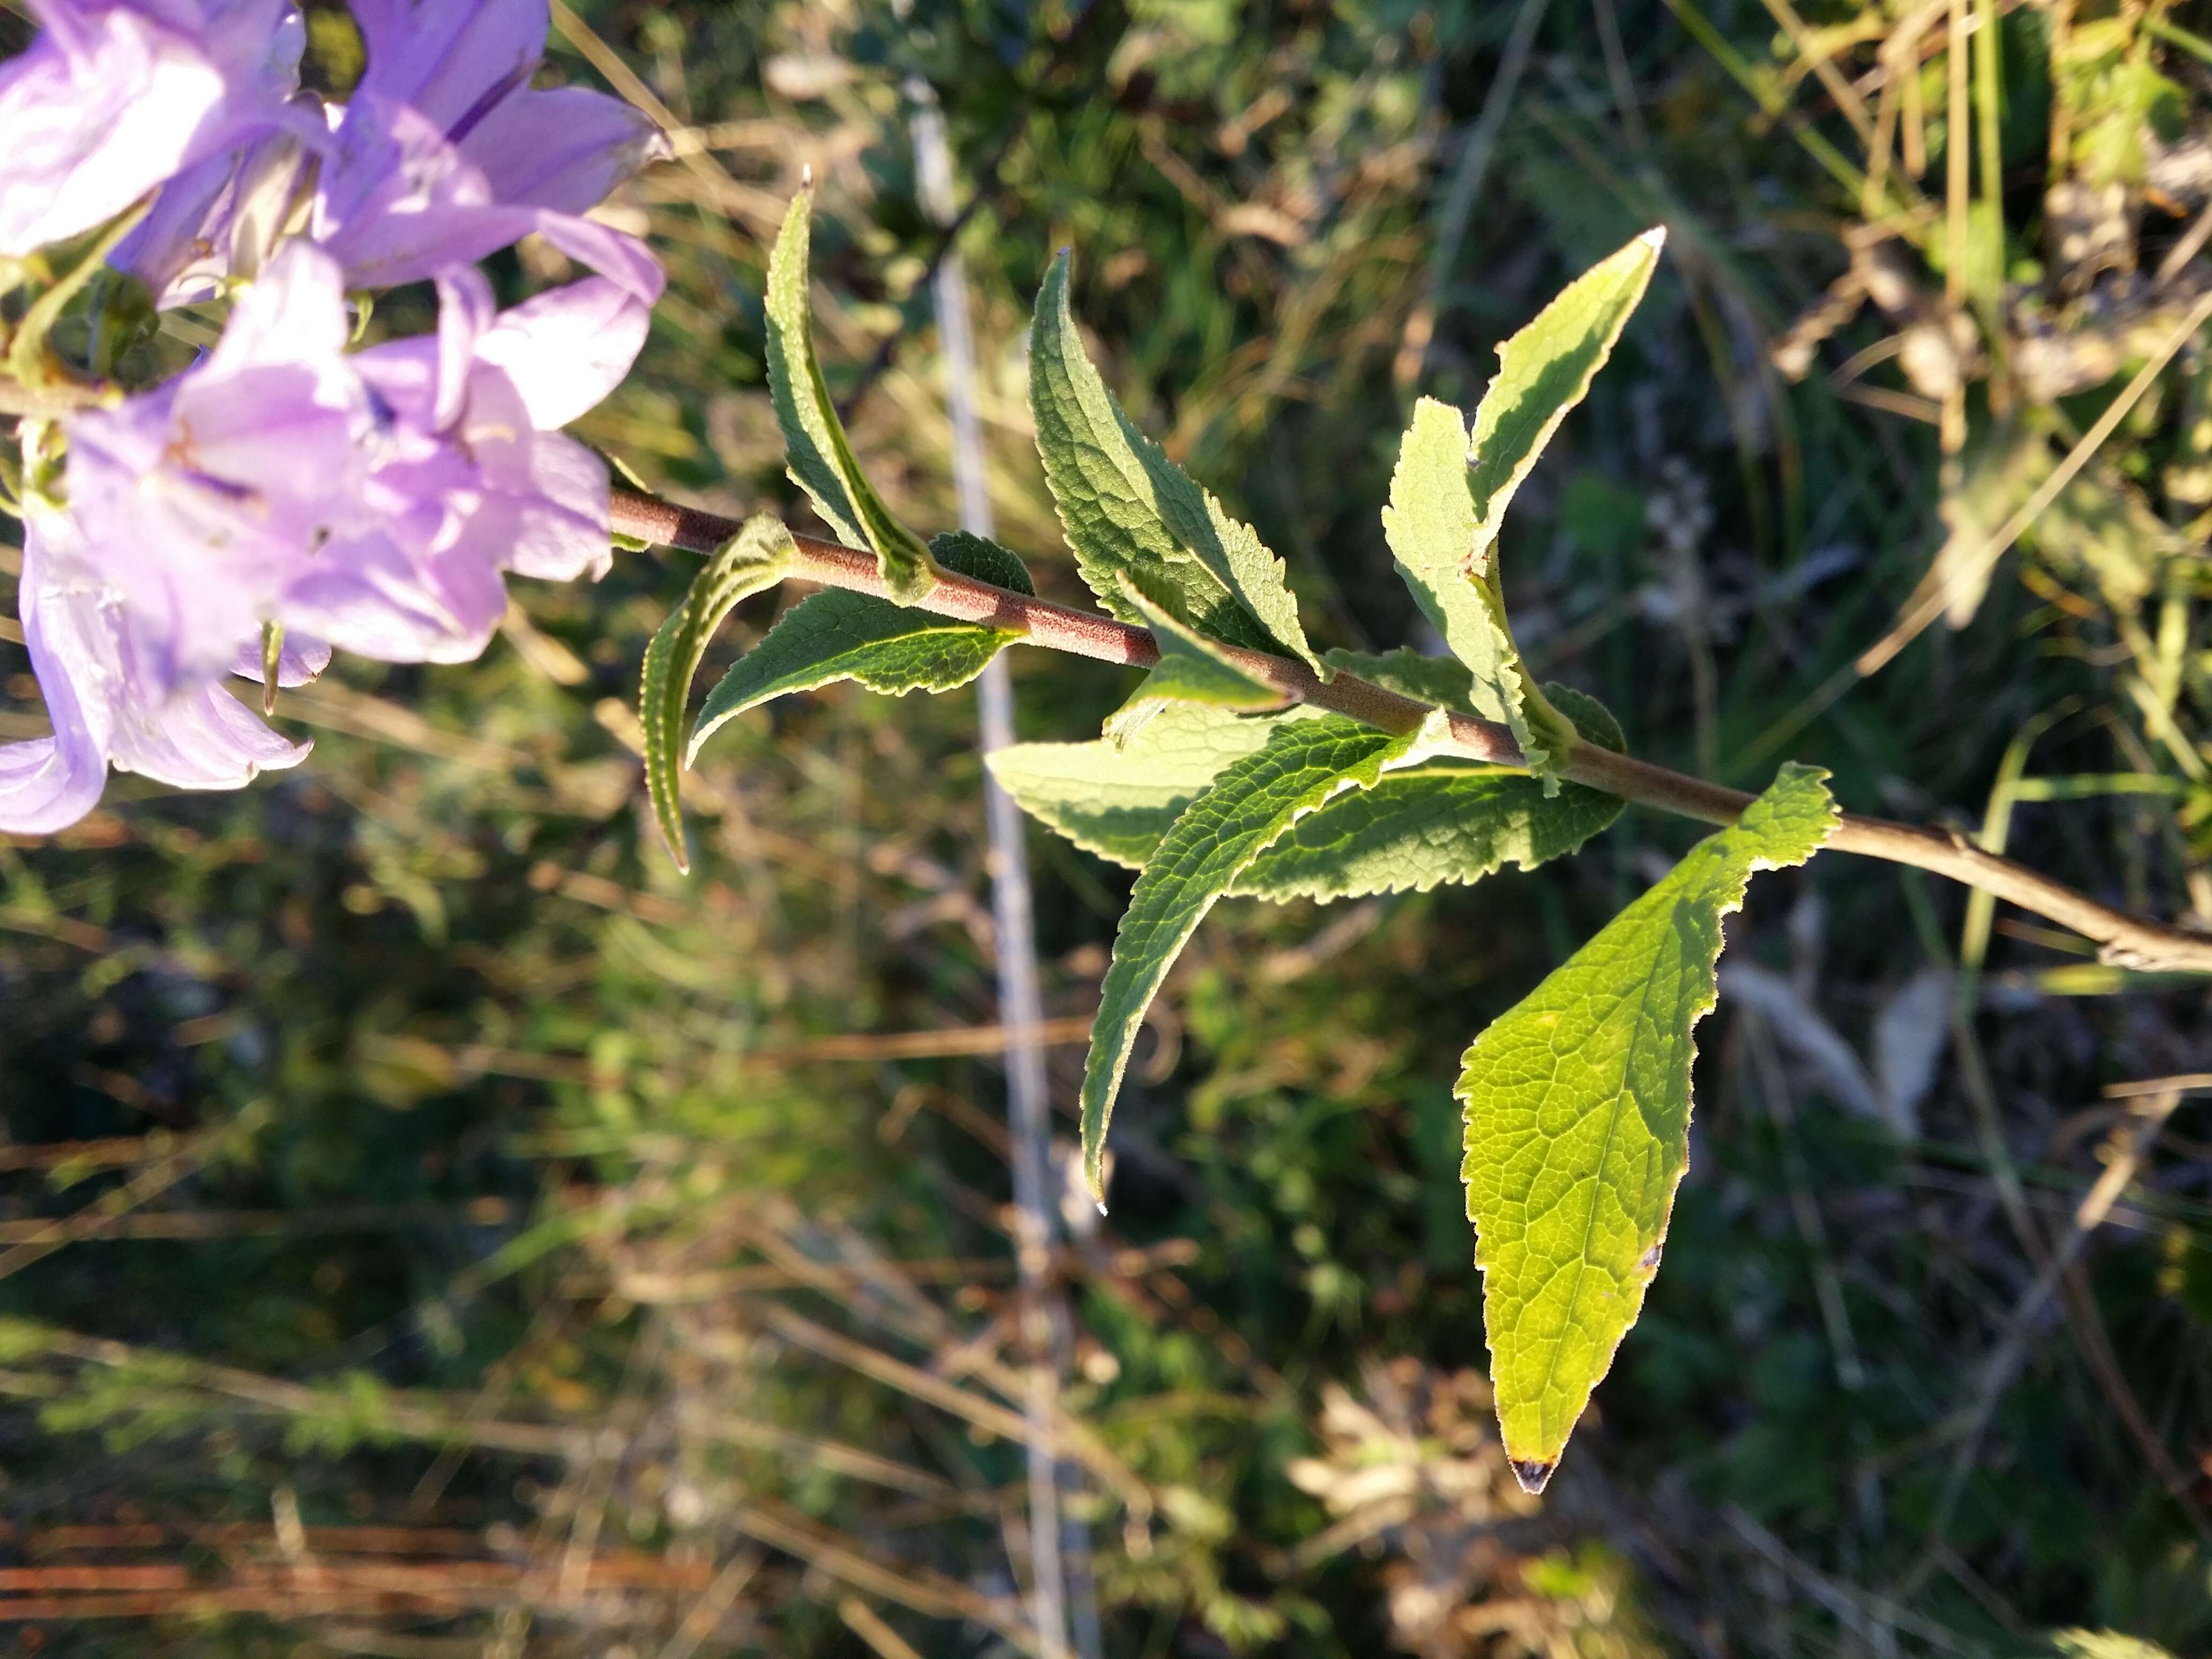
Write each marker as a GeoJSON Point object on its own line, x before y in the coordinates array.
{"type": "Point", "coordinates": [116, 96]}
{"type": "Point", "coordinates": [372, 502]}
{"type": "Point", "coordinates": [106, 707]}
{"type": "Point", "coordinates": [446, 153]}
{"type": "Point", "coordinates": [220, 219]}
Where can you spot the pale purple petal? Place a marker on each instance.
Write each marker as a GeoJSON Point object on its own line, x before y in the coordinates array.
{"type": "Point", "coordinates": [616, 255]}
{"type": "Point", "coordinates": [49, 783]}
{"type": "Point", "coordinates": [374, 599]}
{"type": "Point", "coordinates": [202, 500]}
{"type": "Point", "coordinates": [559, 524]}
{"type": "Point", "coordinates": [466, 312]}
{"type": "Point", "coordinates": [220, 219]}
{"type": "Point", "coordinates": [565, 148]}
{"type": "Point", "coordinates": [111, 101]}
{"type": "Point", "coordinates": [104, 707]}
{"type": "Point", "coordinates": [565, 350]}
{"type": "Point", "coordinates": [204, 739]}
{"type": "Point", "coordinates": [399, 202]}
{"type": "Point", "coordinates": [88, 131]}
{"type": "Point", "coordinates": [451, 59]}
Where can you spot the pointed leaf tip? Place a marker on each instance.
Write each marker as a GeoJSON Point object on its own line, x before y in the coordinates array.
{"type": "Point", "coordinates": [1533, 1476]}
{"type": "Point", "coordinates": [1655, 238]}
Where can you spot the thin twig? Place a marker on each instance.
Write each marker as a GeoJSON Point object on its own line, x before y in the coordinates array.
{"type": "Point", "coordinates": [2123, 940]}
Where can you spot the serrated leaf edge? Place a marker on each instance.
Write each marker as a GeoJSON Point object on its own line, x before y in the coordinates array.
{"type": "Point", "coordinates": [755, 558]}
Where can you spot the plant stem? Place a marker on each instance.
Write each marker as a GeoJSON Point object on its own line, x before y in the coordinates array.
{"type": "Point", "coordinates": [2123, 940]}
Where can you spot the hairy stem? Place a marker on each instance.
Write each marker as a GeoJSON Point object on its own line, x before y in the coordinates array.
{"type": "Point", "coordinates": [2121, 940]}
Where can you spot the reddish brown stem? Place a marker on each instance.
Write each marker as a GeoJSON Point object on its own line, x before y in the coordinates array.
{"type": "Point", "coordinates": [2121, 940]}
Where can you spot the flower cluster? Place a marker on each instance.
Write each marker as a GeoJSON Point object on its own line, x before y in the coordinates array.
{"type": "Point", "coordinates": [286, 495]}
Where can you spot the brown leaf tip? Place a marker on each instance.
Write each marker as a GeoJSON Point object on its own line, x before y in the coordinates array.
{"type": "Point", "coordinates": [1533, 1476]}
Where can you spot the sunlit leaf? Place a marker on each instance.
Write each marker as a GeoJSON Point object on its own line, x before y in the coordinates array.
{"type": "Point", "coordinates": [821, 457]}
{"type": "Point", "coordinates": [1129, 511]}
{"type": "Point", "coordinates": [1448, 821]}
{"type": "Point", "coordinates": [1578, 1116]}
{"type": "Point", "coordinates": [1251, 804]}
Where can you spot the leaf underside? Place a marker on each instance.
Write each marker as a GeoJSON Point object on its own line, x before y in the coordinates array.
{"type": "Point", "coordinates": [1251, 804]}
{"type": "Point", "coordinates": [1192, 668]}
{"type": "Point", "coordinates": [820, 455]}
{"type": "Point", "coordinates": [1117, 798]}
{"type": "Point", "coordinates": [755, 558]}
{"type": "Point", "coordinates": [1129, 511]}
{"type": "Point", "coordinates": [1441, 824]}
{"type": "Point", "coordinates": [1445, 822]}
{"type": "Point", "coordinates": [1577, 1111]}
{"type": "Point", "coordinates": [894, 649]}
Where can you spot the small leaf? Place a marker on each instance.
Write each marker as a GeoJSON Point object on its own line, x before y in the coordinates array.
{"type": "Point", "coordinates": [1191, 669]}
{"type": "Point", "coordinates": [1443, 521]}
{"type": "Point", "coordinates": [1118, 798]}
{"type": "Point", "coordinates": [1447, 822]}
{"type": "Point", "coordinates": [821, 457]}
{"type": "Point", "coordinates": [1443, 681]}
{"type": "Point", "coordinates": [1251, 804]}
{"type": "Point", "coordinates": [1432, 530]}
{"type": "Point", "coordinates": [1544, 371]}
{"type": "Point", "coordinates": [1130, 511]}
{"type": "Point", "coordinates": [1577, 1122]}
{"type": "Point", "coordinates": [841, 635]}
{"type": "Point", "coordinates": [755, 558]}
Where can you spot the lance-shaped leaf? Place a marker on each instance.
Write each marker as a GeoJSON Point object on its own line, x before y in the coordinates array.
{"type": "Point", "coordinates": [838, 635]}
{"type": "Point", "coordinates": [1251, 804]}
{"type": "Point", "coordinates": [1544, 371]}
{"type": "Point", "coordinates": [1445, 822]}
{"type": "Point", "coordinates": [1130, 511]}
{"type": "Point", "coordinates": [755, 558]}
{"type": "Point", "coordinates": [1578, 1117]}
{"type": "Point", "coordinates": [820, 457]}
{"type": "Point", "coordinates": [1118, 798]}
{"type": "Point", "coordinates": [1449, 496]}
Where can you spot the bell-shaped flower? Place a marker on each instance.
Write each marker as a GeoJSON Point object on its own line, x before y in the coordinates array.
{"type": "Point", "coordinates": [106, 704]}
{"type": "Point", "coordinates": [114, 97]}
{"type": "Point", "coordinates": [207, 497]}
{"type": "Point", "coordinates": [371, 500]}
{"type": "Point", "coordinates": [446, 154]}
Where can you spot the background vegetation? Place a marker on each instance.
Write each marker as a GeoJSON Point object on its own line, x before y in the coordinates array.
{"type": "Point", "coordinates": [429, 1227]}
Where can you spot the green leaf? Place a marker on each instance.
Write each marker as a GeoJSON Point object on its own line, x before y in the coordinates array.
{"type": "Point", "coordinates": [891, 648]}
{"type": "Point", "coordinates": [1577, 1122]}
{"type": "Point", "coordinates": [755, 558]}
{"type": "Point", "coordinates": [1251, 804]}
{"type": "Point", "coordinates": [1448, 495]}
{"type": "Point", "coordinates": [1443, 681]}
{"type": "Point", "coordinates": [1191, 669]}
{"type": "Point", "coordinates": [1117, 798]}
{"type": "Point", "coordinates": [1431, 527]}
{"type": "Point", "coordinates": [1544, 371]}
{"type": "Point", "coordinates": [1130, 510]}
{"type": "Point", "coordinates": [1445, 822]}
{"type": "Point", "coordinates": [821, 457]}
